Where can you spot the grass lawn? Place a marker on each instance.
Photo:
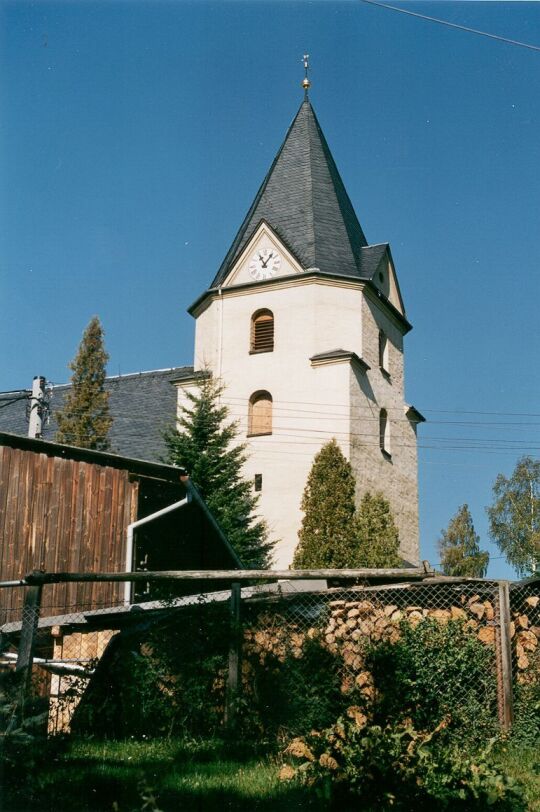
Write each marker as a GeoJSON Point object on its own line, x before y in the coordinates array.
{"type": "Point", "coordinates": [177, 775]}
{"type": "Point", "coordinates": [124, 776]}
{"type": "Point", "coordinates": [523, 764]}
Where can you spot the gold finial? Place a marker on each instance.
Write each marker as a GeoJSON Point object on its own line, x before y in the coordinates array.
{"type": "Point", "coordinates": [306, 84]}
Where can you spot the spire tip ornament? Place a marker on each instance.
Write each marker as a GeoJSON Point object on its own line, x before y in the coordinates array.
{"type": "Point", "coordinates": [306, 84]}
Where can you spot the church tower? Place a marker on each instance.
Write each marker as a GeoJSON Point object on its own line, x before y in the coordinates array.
{"type": "Point", "coordinates": [304, 324]}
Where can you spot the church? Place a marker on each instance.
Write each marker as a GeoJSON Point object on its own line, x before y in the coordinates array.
{"type": "Point", "coordinates": [304, 324]}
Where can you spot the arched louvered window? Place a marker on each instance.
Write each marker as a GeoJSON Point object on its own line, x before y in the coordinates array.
{"type": "Point", "coordinates": [260, 413]}
{"type": "Point", "coordinates": [384, 432]}
{"type": "Point", "coordinates": [262, 331]}
{"type": "Point", "coordinates": [383, 352]}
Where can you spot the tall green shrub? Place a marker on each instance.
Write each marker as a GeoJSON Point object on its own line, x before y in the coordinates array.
{"type": "Point", "coordinates": [205, 443]}
{"type": "Point", "coordinates": [327, 536]}
{"type": "Point", "coordinates": [377, 534]}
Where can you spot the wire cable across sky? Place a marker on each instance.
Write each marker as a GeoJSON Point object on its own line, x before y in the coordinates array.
{"type": "Point", "coordinates": [453, 25]}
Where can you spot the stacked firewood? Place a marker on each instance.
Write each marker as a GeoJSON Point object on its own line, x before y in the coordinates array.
{"type": "Point", "coordinates": [525, 632]}
{"type": "Point", "coordinates": [349, 624]}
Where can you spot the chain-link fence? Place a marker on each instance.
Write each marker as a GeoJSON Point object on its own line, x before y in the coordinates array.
{"type": "Point", "coordinates": [283, 658]}
{"type": "Point", "coordinates": [322, 654]}
{"type": "Point", "coordinates": [524, 632]}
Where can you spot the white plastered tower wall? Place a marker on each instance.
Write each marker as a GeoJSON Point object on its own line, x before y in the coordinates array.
{"type": "Point", "coordinates": [310, 403]}
{"type": "Point", "coordinates": [330, 295]}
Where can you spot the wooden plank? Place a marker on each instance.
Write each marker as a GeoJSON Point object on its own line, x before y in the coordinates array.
{"type": "Point", "coordinates": [41, 493]}
{"type": "Point", "coordinates": [57, 539]}
{"type": "Point", "coordinates": [28, 539]}
{"type": "Point", "coordinates": [88, 540]}
{"type": "Point", "coordinates": [54, 532]}
{"type": "Point", "coordinates": [67, 545]}
{"type": "Point", "coordinates": [101, 537]}
{"type": "Point", "coordinates": [116, 549]}
{"type": "Point", "coordinates": [230, 575]}
{"type": "Point", "coordinates": [107, 533]}
{"type": "Point", "coordinates": [13, 550]}
{"type": "Point", "coordinates": [7, 595]}
{"type": "Point", "coordinates": [131, 514]}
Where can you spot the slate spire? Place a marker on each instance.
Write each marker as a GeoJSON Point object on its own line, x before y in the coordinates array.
{"type": "Point", "coordinates": [304, 201]}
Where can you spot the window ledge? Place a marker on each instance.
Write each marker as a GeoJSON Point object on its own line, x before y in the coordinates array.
{"type": "Point", "coordinates": [386, 374]}
{"type": "Point", "coordinates": [386, 455]}
{"type": "Point", "coordinates": [260, 434]}
{"type": "Point", "coordinates": [258, 352]}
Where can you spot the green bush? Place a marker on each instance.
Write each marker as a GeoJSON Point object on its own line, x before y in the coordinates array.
{"type": "Point", "coordinates": [436, 671]}
{"type": "Point", "coordinates": [526, 729]}
{"type": "Point", "coordinates": [400, 767]}
{"type": "Point", "coordinates": [290, 695]}
{"type": "Point", "coordinates": [160, 681]}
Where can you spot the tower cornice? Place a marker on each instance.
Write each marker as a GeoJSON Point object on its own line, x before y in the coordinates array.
{"type": "Point", "coordinates": [295, 280]}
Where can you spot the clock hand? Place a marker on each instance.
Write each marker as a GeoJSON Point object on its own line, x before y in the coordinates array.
{"type": "Point", "coordinates": [267, 260]}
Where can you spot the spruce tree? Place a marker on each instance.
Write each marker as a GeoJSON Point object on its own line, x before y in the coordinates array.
{"type": "Point", "coordinates": [204, 444]}
{"type": "Point", "coordinates": [378, 538]}
{"type": "Point", "coordinates": [327, 535]}
{"type": "Point", "coordinates": [84, 419]}
{"type": "Point", "coordinates": [459, 548]}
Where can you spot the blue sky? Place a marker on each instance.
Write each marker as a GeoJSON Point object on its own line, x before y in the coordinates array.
{"type": "Point", "coordinates": [134, 135]}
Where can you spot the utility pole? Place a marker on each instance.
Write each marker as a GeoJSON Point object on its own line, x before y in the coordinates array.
{"type": "Point", "coordinates": [36, 407]}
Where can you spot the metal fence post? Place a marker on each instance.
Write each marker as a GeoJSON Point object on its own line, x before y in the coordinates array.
{"type": "Point", "coordinates": [504, 671]}
{"type": "Point", "coordinates": [234, 679]}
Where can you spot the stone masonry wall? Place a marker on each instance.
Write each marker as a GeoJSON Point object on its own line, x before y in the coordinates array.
{"type": "Point", "coordinates": [395, 475]}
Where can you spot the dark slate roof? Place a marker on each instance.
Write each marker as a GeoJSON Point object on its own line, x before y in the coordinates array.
{"type": "Point", "coordinates": [370, 259]}
{"type": "Point", "coordinates": [142, 405]}
{"type": "Point", "coordinates": [336, 355]}
{"type": "Point", "coordinates": [414, 415]}
{"type": "Point", "coordinates": [304, 201]}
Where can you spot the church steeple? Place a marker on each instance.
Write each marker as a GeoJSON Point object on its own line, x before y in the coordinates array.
{"type": "Point", "coordinates": [301, 311]}
{"type": "Point", "coordinates": [304, 201]}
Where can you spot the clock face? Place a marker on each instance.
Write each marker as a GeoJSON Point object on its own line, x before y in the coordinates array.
{"type": "Point", "coordinates": [264, 264]}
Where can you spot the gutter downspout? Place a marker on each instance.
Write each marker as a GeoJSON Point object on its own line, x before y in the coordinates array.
{"type": "Point", "coordinates": [130, 533]}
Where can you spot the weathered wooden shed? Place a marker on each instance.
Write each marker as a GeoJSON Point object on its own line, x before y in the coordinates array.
{"type": "Point", "coordinates": [66, 509]}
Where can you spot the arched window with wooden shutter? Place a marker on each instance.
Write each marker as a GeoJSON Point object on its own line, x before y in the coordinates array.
{"type": "Point", "coordinates": [262, 331]}
{"type": "Point", "coordinates": [260, 413]}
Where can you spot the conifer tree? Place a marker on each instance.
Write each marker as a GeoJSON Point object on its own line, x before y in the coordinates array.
{"type": "Point", "coordinates": [204, 445]}
{"type": "Point", "coordinates": [459, 548]}
{"type": "Point", "coordinates": [327, 535]}
{"type": "Point", "coordinates": [377, 534]}
{"type": "Point", "coordinates": [84, 419]}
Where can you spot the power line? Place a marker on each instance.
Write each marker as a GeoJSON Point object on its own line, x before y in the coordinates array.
{"type": "Point", "coordinates": [453, 25]}
{"type": "Point", "coordinates": [14, 400]}
{"type": "Point", "coordinates": [374, 407]}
